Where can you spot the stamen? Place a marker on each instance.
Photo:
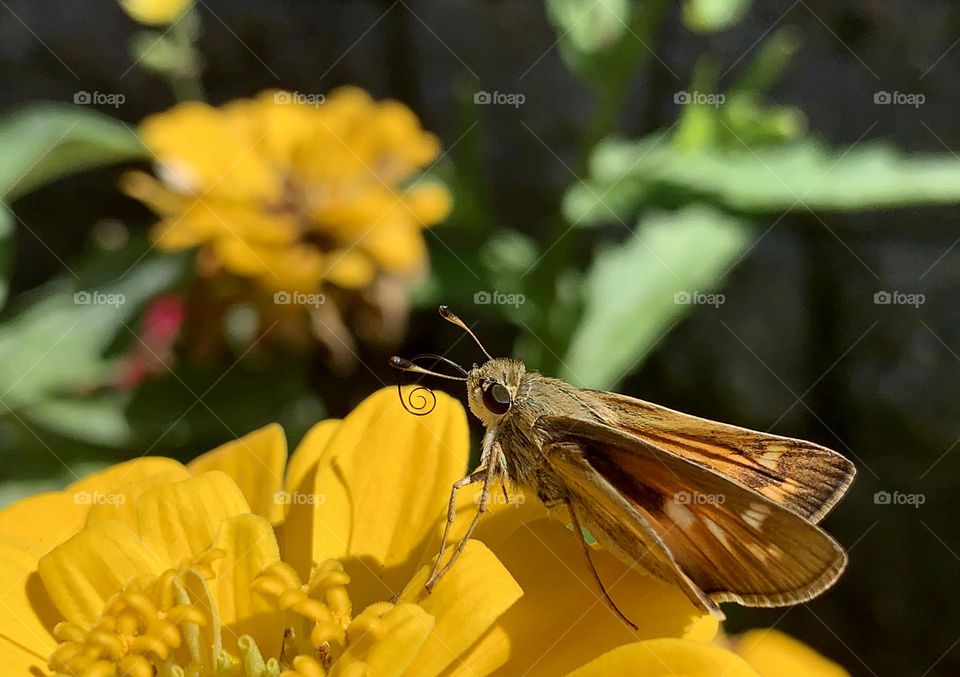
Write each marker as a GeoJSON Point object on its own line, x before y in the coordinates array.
{"type": "Point", "coordinates": [153, 627]}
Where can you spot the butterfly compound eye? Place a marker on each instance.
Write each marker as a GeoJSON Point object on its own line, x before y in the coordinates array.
{"type": "Point", "coordinates": [496, 398]}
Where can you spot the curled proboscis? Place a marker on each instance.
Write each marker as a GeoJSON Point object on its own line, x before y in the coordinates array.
{"type": "Point", "coordinates": [419, 400]}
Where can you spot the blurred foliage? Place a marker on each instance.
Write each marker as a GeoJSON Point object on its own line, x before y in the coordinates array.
{"type": "Point", "coordinates": [800, 175]}
{"type": "Point", "coordinates": [657, 219]}
{"type": "Point", "coordinates": [46, 141]}
{"type": "Point", "coordinates": [635, 291]}
{"type": "Point", "coordinates": [691, 198]}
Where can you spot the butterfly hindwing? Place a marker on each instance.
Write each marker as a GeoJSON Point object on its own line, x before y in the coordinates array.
{"type": "Point", "coordinates": [617, 524]}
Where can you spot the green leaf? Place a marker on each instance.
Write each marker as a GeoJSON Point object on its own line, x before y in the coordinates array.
{"type": "Point", "coordinates": [165, 54]}
{"type": "Point", "coordinates": [99, 420]}
{"type": "Point", "coordinates": [606, 41]}
{"type": "Point", "coordinates": [56, 344]}
{"type": "Point", "coordinates": [6, 251]}
{"type": "Point", "coordinates": [771, 62]}
{"type": "Point", "coordinates": [635, 292]}
{"type": "Point", "coordinates": [708, 16]}
{"type": "Point", "coordinates": [45, 141]}
{"type": "Point", "coordinates": [764, 179]}
{"type": "Point", "coordinates": [588, 27]}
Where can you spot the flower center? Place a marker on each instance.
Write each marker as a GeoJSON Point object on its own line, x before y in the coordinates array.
{"type": "Point", "coordinates": [170, 626]}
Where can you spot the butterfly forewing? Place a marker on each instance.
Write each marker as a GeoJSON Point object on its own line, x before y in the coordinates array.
{"type": "Point", "coordinates": [734, 544]}
{"type": "Point", "coordinates": [805, 477]}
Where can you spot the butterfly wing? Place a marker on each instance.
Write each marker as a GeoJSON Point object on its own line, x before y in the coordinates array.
{"type": "Point", "coordinates": [802, 476]}
{"type": "Point", "coordinates": [617, 524]}
{"type": "Point", "coordinates": [733, 544]}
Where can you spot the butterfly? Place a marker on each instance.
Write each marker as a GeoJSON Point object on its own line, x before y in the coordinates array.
{"type": "Point", "coordinates": [724, 513]}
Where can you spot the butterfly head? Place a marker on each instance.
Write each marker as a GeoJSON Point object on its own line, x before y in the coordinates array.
{"type": "Point", "coordinates": [492, 388]}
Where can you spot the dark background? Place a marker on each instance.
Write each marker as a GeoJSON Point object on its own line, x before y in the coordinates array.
{"type": "Point", "coordinates": [799, 348]}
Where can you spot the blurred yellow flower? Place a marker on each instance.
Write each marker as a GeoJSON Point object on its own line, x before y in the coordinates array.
{"type": "Point", "coordinates": [311, 198]}
{"type": "Point", "coordinates": [241, 563]}
{"type": "Point", "coordinates": [774, 654]}
{"type": "Point", "coordinates": [155, 12]}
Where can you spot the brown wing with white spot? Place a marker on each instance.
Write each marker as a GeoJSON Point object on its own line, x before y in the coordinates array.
{"type": "Point", "coordinates": [805, 477]}
{"type": "Point", "coordinates": [734, 544]}
{"type": "Point", "coordinates": [617, 524]}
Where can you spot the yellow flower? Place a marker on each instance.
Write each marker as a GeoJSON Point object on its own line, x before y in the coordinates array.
{"type": "Point", "coordinates": [774, 654]}
{"type": "Point", "coordinates": [155, 12]}
{"type": "Point", "coordinates": [311, 199]}
{"type": "Point", "coordinates": [240, 563]}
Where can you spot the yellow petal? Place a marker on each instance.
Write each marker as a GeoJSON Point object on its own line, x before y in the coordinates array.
{"type": "Point", "coordinates": [179, 521]}
{"type": "Point", "coordinates": [775, 654]}
{"type": "Point", "coordinates": [508, 509]}
{"type": "Point", "coordinates": [349, 268]}
{"type": "Point", "coordinates": [297, 268]}
{"type": "Point", "coordinates": [26, 613]}
{"type": "Point", "coordinates": [388, 480]}
{"type": "Point", "coordinates": [113, 492]}
{"type": "Point", "coordinates": [309, 454]}
{"type": "Point", "coordinates": [250, 547]}
{"type": "Point", "coordinates": [399, 634]}
{"type": "Point", "coordinates": [180, 232]}
{"type": "Point", "coordinates": [151, 192]}
{"type": "Point", "coordinates": [562, 599]}
{"type": "Point", "coordinates": [430, 202]}
{"type": "Point", "coordinates": [296, 533]}
{"type": "Point", "coordinates": [255, 462]}
{"type": "Point", "coordinates": [283, 128]}
{"type": "Point", "coordinates": [37, 524]}
{"type": "Point", "coordinates": [396, 244]}
{"type": "Point", "coordinates": [465, 603]}
{"type": "Point", "coordinates": [81, 574]}
{"type": "Point", "coordinates": [19, 661]}
{"type": "Point", "coordinates": [666, 658]}
{"type": "Point", "coordinates": [243, 258]}
{"type": "Point", "coordinates": [155, 12]}
{"type": "Point", "coordinates": [207, 152]}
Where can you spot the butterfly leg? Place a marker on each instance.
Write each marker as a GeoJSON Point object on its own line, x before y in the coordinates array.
{"type": "Point", "coordinates": [478, 475]}
{"type": "Point", "coordinates": [493, 461]}
{"type": "Point", "coordinates": [593, 569]}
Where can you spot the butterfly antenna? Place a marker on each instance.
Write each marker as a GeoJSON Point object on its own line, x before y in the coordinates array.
{"type": "Point", "coordinates": [448, 315]}
{"type": "Point", "coordinates": [403, 364]}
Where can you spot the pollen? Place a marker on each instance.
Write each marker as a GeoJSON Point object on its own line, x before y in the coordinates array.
{"type": "Point", "coordinates": [143, 626]}
{"type": "Point", "coordinates": [169, 626]}
{"type": "Point", "coordinates": [320, 625]}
